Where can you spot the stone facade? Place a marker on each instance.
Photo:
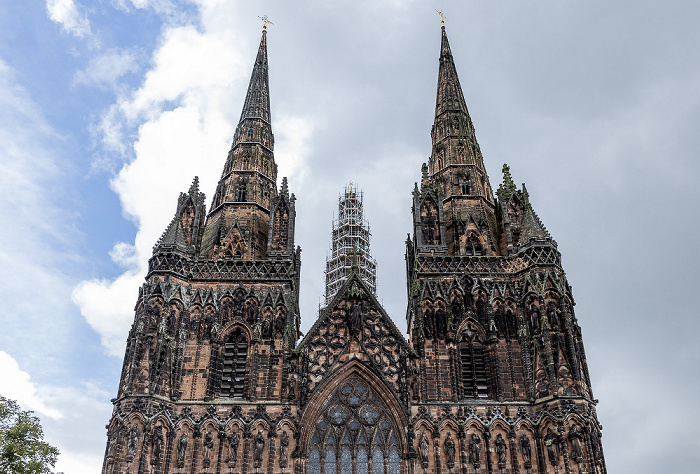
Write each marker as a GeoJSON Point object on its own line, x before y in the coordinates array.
{"type": "Point", "coordinates": [492, 379]}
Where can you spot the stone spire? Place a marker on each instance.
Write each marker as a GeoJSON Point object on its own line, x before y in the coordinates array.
{"type": "Point", "coordinates": [241, 205]}
{"type": "Point", "coordinates": [456, 155]}
{"type": "Point", "coordinates": [257, 101]}
{"type": "Point", "coordinates": [449, 93]}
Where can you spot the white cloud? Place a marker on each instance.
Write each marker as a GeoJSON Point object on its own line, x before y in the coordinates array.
{"type": "Point", "coordinates": [40, 244]}
{"type": "Point", "coordinates": [15, 384]}
{"type": "Point", "coordinates": [67, 14]}
{"type": "Point", "coordinates": [106, 69]}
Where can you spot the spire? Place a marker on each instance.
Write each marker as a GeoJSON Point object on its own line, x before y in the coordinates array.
{"type": "Point", "coordinates": [456, 154]}
{"type": "Point", "coordinates": [449, 92]}
{"type": "Point", "coordinates": [257, 101]}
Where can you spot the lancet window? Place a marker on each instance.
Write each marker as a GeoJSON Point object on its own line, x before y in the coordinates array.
{"type": "Point", "coordinates": [234, 363]}
{"type": "Point", "coordinates": [354, 434]}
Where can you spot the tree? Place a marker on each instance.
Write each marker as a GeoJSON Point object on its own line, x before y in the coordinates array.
{"type": "Point", "coordinates": [22, 449]}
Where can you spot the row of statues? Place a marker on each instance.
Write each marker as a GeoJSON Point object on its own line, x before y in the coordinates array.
{"type": "Point", "coordinates": [551, 442]}
{"type": "Point", "coordinates": [183, 441]}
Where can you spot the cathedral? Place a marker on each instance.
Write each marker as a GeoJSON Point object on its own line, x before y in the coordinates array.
{"type": "Point", "coordinates": [491, 376]}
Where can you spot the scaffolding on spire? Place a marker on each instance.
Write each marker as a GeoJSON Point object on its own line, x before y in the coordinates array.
{"type": "Point", "coordinates": [349, 245]}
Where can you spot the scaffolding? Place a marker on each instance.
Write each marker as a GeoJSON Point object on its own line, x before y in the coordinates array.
{"type": "Point", "coordinates": [349, 243]}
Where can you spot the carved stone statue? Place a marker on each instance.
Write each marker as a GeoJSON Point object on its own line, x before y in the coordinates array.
{"type": "Point", "coordinates": [182, 449]}
{"type": "Point", "coordinates": [233, 442]}
{"type": "Point", "coordinates": [259, 447]}
{"type": "Point", "coordinates": [207, 445]}
{"type": "Point", "coordinates": [440, 322]}
{"type": "Point", "coordinates": [475, 450]}
{"type": "Point", "coordinates": [157, 445]}
{"type": "Point", "coordinates": [284, 448]}
{"type": "Point", "coordinates": [355, 318]}
{"type": "Point", "coordinates": [501, 450]}
{"type": "Point", "coordinates": [575, 436]}
{"type": "Point", "coordinates": [450, 450]}
{"type": "Point", "coordinates": [133, 443]}
{"type": "Point", "coordinates": [279, 323]}
{"type": "Point", "coordinates": [595, 444]}
{"type": "Point", "coordinates": [267, 328]}
{"type": "Point", "coordinates": [423, 446]}
{"type": "Point", "coordinates": [526, 449]}
{"type": "Point", "coordinates": [111, 443]}
{"type": "Point", "coordinates": [550, 442]}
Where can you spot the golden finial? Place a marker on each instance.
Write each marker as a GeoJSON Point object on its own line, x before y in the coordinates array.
{"type": "Point", "coordinates": [442, 17]}
{"type": "Point", "coordinates": [265, 21]}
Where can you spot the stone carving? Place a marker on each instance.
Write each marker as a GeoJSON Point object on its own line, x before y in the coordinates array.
{"type": "Point", "coordinates": [423, 446]}
{"type": "Point", "coordinates": [233, 443]}
{"type": "Point", "coordinates": [157, 445]}
{"type": "Point", "coordinates": [595, 444]}
{"type": "Point", "coordinates": [501, 450]}
{"type": "Point", "coordinates": [182, 449]}
{"type": "Point", "coordinates": [575, 437]}
{"type": "Point", "coordinates": [259, 447]}
{"type": "Point", "coordinates": [550, 442]}
{"type": "Point", "coordinates": [440, 322]}
{"type": "Point", "coordinates": [280, 322]}
{"type": "Point", "coordinates": [207, 446]}
{"type": "Point", "coordinates": [355, 317]}
{"type": "Point", "coordinates": [133, 443]}
{"type": "Point", "coordinates": [475, 450]}
{"type": "Point", "coordinates": [450, 450]}
{"type": "Point", "coordinates": [526, 450]}
{"type": "Point", "coordinates": [111, 443]}
{"type": "Point", "coordinates": [284, 448]}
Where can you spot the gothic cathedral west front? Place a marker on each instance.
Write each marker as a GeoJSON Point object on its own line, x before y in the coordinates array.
{"type": "Point", "coordinates": [491, 378]}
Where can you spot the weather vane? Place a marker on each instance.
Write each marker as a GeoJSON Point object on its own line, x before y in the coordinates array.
{"type": "Point", "coordinates": [442, 16]}
{"type": "Point", "coordinates": [265, 21]}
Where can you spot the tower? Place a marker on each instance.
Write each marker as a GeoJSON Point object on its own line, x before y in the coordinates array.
{"type": "Point", "coordinates": [350, 245]}
{"type": "Point", "coordinates": [220, 303]}
{"type": "Point", "coordinates": [500, 358]}
{"type": "Point", "coordinates": [492, 379]}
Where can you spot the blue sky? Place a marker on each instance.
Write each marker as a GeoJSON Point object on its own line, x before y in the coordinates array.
{"type": "Point", "coordinates": [109, 108]}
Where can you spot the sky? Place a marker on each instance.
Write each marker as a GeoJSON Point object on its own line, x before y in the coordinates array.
{"type": "Point", "coordinates": [109, 108]}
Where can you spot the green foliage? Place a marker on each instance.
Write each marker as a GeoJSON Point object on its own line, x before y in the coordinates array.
{"type": "Point", "coordinates": [22, 449]}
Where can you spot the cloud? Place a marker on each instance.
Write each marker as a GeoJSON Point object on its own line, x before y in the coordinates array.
{"type": "Point", "coordinates": [15, 384]}
{"type": "Point", "coordinates": [67, 14]}
{"type": "Point", "coordinates": [38, 243]}
{"type": "Point", "coordinates": [106, 69]}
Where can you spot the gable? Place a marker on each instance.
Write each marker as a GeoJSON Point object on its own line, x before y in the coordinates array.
{"type": "Point", "coordinates": [354, 327]}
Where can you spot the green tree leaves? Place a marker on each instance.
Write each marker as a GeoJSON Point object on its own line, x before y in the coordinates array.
{"type": "Point", "coordinates": [22, 449]}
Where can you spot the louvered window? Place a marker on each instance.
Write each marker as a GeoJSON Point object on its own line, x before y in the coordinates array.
{"type": "Point", "coordinates": [233, 372]}
{"type": "Point", "coordinates": [473, 369]}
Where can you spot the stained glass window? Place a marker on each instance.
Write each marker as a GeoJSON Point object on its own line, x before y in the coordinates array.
{"type": "Point", "coordinates": [314, 461]}
{"type": "Point", "coordinates": [329, 462]}
{"type": "Point", "coordinates": [354, 419]}
{"type": "Point", "coordinates": [394, 461]}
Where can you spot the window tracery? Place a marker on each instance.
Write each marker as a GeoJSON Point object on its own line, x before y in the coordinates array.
{"type": "Point", "coordinates": [354, 434]}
